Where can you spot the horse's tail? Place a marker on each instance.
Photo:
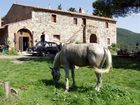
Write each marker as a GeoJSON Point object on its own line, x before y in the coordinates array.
{"type": "Point", "coordinates": [106, 59]}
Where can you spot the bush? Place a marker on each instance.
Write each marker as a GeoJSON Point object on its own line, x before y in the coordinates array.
{"type": "Point", "coordinates": [12, 51]}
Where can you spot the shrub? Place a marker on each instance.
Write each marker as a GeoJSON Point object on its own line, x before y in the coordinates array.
{"type": "Point", "coordinates": [12, 51]}
{"type": "Point", "coordinates": [113, 48]}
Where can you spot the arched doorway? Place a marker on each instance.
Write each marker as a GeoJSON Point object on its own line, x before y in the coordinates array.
{"type": "Point", "coordinates": [93, 38]}
{"type": "Point", "coordinates": [23, 39]}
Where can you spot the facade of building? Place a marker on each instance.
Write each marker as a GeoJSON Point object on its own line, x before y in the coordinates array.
{"type": "Point", "coordinates": [23, 26]}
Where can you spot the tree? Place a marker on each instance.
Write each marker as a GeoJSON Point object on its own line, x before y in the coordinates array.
{"type": "Point", "coordinates": [102, 8]}
{"type": "Point", "coordinates": [60, 7]}
{"type": "Point", "coordinates": [72, 9]}
{"type": "Point", "coordinates": [116, 8]}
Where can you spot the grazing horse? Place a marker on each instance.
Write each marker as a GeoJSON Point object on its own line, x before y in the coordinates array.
{"type": "Point", "coordinates": [73, 55]}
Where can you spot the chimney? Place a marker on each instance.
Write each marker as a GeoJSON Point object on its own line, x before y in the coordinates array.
{"type": "Point", "coordinates": [81, 10]}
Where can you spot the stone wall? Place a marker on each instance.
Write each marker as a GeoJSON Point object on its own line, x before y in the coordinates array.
{"type": "Point", "coordinates": [101, 31]}
{"type": "Point", "coordinates": [64, 26]}
{"type": "Point", "coordinates": [13, 28]}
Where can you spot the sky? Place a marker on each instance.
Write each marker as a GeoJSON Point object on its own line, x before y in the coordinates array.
{"type": "Point", "coordinates": [131, 22]}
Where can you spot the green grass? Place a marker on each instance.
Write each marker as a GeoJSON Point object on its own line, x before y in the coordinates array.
{"type": "Point", "coordinates": [33, 80]}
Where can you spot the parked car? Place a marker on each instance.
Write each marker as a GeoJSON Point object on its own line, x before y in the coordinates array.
{"type": "Point", "coordinates": [123, 52]}
{"type": "Point", "coordinates": [42, 48]}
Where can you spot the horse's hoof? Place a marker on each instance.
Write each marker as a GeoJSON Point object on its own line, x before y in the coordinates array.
{"type": "Point", "coordinates": [66, 91]}
{"type": "Point", "coordinates": [97, 89]}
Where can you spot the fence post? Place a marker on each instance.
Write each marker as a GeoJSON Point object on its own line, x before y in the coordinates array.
{"type": "Point", "coordinates": [7, 89]}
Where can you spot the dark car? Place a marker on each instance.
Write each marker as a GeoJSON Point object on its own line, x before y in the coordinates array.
{"type": "Point", "coordinates": [42, 48]}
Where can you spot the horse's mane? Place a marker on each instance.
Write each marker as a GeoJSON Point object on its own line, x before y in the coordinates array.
{"type": "Point", "coordinates": [56, 63]}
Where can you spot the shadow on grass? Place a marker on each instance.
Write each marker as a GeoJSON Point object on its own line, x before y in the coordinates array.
{"type": "Point", "coordinates": [126, 62]}
{"type": "Point", "coordinates": [51, 83]}
{"type": "Point", "coordinates": [80, 89]}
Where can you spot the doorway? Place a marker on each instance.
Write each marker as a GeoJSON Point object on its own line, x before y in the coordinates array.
{"type": "Point", "coordinates": [23, 43]}
{"type": "Point", "coordinates": [23, 40]}
{"type": "Point", "coordinates": [93, 38]}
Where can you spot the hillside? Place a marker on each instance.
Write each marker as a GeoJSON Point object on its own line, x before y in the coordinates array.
{"type": "Point", "coordinates": [127, 39]}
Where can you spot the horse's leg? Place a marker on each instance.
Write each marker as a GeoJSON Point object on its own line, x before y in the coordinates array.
{"type": "Point", "coordinates": [98, 81]}
{"type": "Point", "coordinates": [72, 67]}
{"type": "Point", "coordinates": [66, 68]}
{"type": "Point", "coordinates": [99, 76]}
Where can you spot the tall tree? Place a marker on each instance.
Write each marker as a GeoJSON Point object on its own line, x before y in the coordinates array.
{"type": "Point", "coordinates": [116, 8]}
{"type": "Point", "coordinates": [72, 9]}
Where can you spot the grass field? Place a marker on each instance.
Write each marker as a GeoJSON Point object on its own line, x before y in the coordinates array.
{"type": "Point", "coordinates": [33, 81]}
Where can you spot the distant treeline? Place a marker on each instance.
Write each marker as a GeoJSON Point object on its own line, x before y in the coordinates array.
{"type": "Point", "coordinates": [127, 39]}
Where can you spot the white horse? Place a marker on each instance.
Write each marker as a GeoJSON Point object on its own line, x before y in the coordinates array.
{"type": "Point", "coordinates": [82, 55]}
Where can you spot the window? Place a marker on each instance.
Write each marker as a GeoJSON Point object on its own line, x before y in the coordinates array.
{"type": "Point", "coordinates": [106, 23]}
{"type": "Point", "coordinates": [75, 20]}
{"type": "Point", "coordinates": [42, 37]}
{"type": "Point", "coordinates": [56, 37]}
{"type": "Point", "coordinates": [53, 18]}
{"type": "Point", "coordinates": [84, 21]}
{"type": "Point", "coordinates": [108, 41]}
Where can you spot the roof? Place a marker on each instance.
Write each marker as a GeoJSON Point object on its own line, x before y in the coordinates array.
{"type": "Point", "coordinates": [67, 13]}
{"type": "Point", "coordinates": [3, 27]}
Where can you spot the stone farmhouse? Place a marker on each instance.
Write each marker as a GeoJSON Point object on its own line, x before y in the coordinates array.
{"type": "Point", "coordinates": [24, 25]}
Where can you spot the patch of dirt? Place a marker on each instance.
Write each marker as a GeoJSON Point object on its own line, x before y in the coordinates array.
{"type": "Point", "coordinates": [17, 61]}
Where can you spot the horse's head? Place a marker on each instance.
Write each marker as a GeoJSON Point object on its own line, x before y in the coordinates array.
{"type": "Point", "coordinates": [55, 74]}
